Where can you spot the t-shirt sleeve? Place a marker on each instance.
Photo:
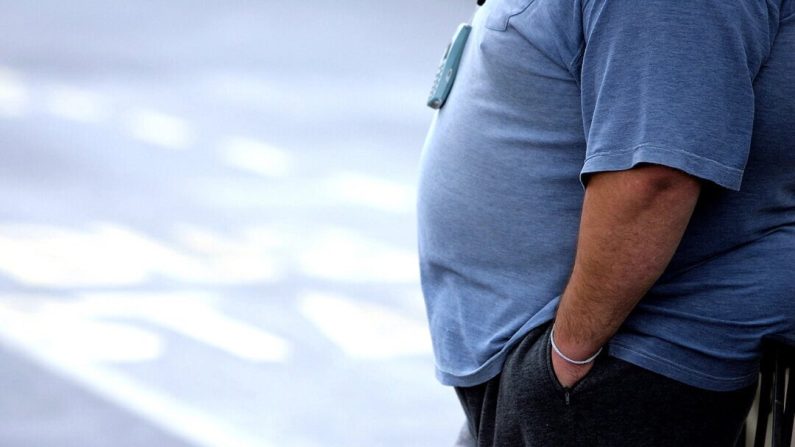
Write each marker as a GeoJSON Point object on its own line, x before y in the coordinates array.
{"type": "Point", "coordinates": [671, 83]}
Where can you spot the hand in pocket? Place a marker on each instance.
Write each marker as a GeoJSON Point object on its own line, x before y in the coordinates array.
{"type": "Point", "coordinates": [569, 374]}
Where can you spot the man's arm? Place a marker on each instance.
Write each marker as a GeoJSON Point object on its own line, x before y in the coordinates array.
{"type": "Point", "coordinates": [632, 222]}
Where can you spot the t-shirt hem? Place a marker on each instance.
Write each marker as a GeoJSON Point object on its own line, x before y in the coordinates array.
{"type": "Point", "coordinates": [493, 366]}
{"type": "Point", "coordinates": [676, 372]}
{"type": "Point", "coordinates": [695, 165]}
{"type": "Point", "coordinates": [484, 374]}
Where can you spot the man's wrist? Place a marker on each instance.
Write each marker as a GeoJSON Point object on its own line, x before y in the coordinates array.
{"type": "Point", "coordinates": [574, 359]}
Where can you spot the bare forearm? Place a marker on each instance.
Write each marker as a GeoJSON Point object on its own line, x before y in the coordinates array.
{"type": "Point", "coordinates": [632, 223]}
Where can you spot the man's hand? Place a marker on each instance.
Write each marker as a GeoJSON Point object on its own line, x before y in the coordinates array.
{"type": "Point", "coordinates": [567, 373]}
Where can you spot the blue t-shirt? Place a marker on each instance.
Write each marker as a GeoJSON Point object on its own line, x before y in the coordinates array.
{"type": "Point", "coordinates": [552, 90]}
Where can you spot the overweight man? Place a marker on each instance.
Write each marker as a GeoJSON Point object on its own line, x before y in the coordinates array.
{"type": "Point", "coordinates": [607, 219]}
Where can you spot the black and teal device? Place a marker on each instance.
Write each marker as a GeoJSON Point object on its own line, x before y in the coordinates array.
{"type": "Point", "coordinates": [448, 68]}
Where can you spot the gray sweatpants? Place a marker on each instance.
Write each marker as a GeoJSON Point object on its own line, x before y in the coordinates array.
{"type": "Point", "coordinates": [617, 404]}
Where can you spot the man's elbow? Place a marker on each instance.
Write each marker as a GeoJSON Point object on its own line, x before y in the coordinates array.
{"type": "Point", "coordinates": [649, 183]}
{"type": "Point", "coordinates": [658, 179]}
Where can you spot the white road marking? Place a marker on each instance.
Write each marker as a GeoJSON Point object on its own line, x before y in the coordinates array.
{"type": "Point", "coordinates": [343, 255]}
{"type": "Point", "coordinates": [364, 330]}
{"type": "Point", "coordinates": [194, 425]}
{"type": "Point", "coordinates": [14, 96]}
{"type": "Point", "coordinates": [76, 104]}
{"type": "Point", "coordinates": [330, 253]}
{"type": "Point", "coordinates": [97, 341]}
{"type": "Point", "coordinates": [255, 156]}
{"type": "Point", "coordinates": [158, 128]}
{"type": "Point", "coordinates": [187, 313]}
{"type": "Point", "coordinates": [373, 192]}
{"type": "Point", "coordinates": [244, 257]}
{"type": "Point", "coordinates": [111, 255]}
{"type": "Point", "coordinates": [51, 256]}
{"type": "Point", "coordinates": [49, 329]}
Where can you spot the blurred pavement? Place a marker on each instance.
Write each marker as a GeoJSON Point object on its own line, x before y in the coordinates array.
{"type": "Point", "coordinates": [207, 223]}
